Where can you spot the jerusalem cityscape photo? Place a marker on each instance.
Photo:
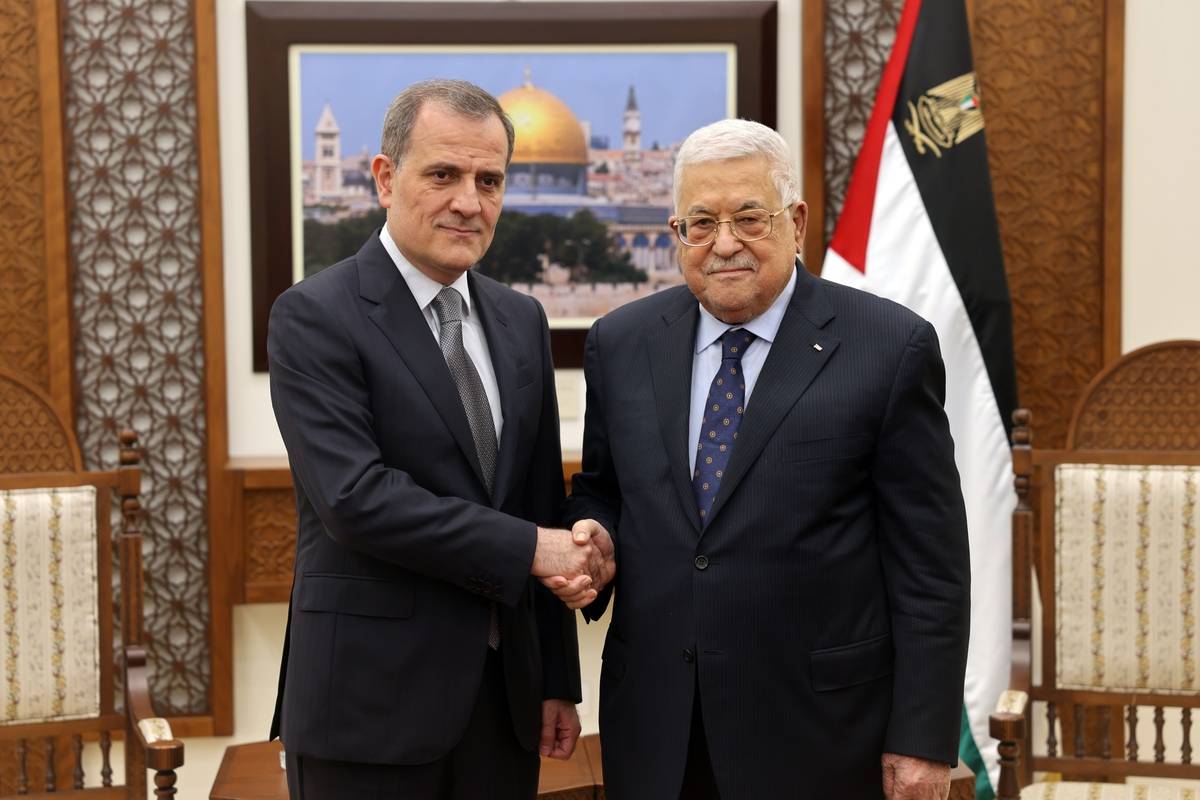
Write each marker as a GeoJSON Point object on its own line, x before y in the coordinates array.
{"type": "Point", "coordinates": [584, 227]}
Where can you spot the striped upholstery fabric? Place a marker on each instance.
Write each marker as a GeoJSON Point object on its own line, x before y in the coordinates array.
{"type": "Point", "coordinates": [49, 632]}
{"type": "Point", "coordinates": [1127, 565]}
{"type": "Point", "coordinates": [1106, 791]}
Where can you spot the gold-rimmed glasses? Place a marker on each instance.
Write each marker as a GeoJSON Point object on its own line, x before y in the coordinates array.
{"type": "Point", "coordinates": [698, 230]}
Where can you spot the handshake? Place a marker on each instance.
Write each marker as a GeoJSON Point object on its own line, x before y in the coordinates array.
{"type": "Point", "coordinates": [577, 564]}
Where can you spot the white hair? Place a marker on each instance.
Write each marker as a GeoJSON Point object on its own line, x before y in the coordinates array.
{"type": "Point", "coordinates": [740, 138]}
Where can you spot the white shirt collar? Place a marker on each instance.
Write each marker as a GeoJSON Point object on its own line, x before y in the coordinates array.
{"type": "Point", "coordinates": [423, 287]}
{"type": "Point", "coordinates": [765, 326]}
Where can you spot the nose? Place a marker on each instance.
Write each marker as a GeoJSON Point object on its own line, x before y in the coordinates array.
{"type": "Point", "coordinates": [726, 244]}
{"type": "Point", "coordinates": [466, 199]}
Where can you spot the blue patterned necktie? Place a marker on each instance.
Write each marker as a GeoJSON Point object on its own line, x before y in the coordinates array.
{"type": "Point", "coordinates": [722, 415]}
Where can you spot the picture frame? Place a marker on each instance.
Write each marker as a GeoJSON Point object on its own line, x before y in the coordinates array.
{"type": "Point", "coordinates": [273, 28]}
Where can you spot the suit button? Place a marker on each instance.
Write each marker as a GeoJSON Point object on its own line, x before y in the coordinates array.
{"type": "Point", "coordinates": [701, 562]}
{"type": "Point", "coordinates": [689, 656]}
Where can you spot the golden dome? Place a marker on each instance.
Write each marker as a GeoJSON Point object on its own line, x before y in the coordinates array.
{"type": "Point", "coordinates": [547, 131]}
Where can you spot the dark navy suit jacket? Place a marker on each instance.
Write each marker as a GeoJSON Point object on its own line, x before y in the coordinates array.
{"type": "Point", "coordinates": [400, 550]}
{"type": "Point", "coordinates": [823, 609]}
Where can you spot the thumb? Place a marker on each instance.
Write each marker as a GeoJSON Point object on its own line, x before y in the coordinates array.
{"type": "Point", "coordinates": [580, 534]}
{"type": "Point", "coordinates": [889, 780]}
{"type": "Point", "coordinates": [548, 736]}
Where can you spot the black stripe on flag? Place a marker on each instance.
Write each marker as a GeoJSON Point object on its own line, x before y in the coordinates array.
{"type": "Point", "coordinates": [956, 187]}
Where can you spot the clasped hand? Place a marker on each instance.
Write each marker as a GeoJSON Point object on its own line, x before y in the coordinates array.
{"type": "Point", "coordinates": [577, 564]}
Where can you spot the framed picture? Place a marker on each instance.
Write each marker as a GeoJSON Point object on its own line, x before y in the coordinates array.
{"type": "Point", "coordinates": [601, 95]}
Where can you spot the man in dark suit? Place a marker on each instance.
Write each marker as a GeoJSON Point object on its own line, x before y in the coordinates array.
{"type": "Point", "coordinates": [416, 400]}
{"type": "Point", "coordinates": [771, 456]}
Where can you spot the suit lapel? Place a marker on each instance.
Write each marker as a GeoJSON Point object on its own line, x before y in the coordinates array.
{"type": "Point", "coordinates": [790, 368]}
{"type": "Point", "coordinates": [401, 321]}
{"type": "Point", "coordinates": [670, 352]}
{"type": "Point", "coordinates": [503, 348]}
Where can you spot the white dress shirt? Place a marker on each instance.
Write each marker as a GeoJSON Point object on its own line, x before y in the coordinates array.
{"type": "Point", "coordinates": [707, 358]}
{"type": "Point", "coordinates": [424, 289]}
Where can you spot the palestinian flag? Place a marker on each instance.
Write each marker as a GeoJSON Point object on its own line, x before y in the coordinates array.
{"type": "Point", "coordinates": [919, 227]}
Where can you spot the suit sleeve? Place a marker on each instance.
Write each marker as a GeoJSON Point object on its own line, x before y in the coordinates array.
{"type": "Point", "coordinates": [924, 551]}
{"type": "Point", "coordinates": [556, 623]}
{"type": "Point", "coordinates": [321, 402]}
{"type": "Point", "coordinates": [595, 492]}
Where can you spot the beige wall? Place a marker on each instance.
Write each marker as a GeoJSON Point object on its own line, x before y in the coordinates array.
{"type": "Point", "coordinates": [1161, 284]}
{"type": "Point", "coordinates": [1161, 269]}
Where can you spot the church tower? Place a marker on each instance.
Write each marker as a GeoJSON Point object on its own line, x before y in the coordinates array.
{"type": "Point", "coordinates": [328, 161]}
{"type": "Point", "coordinates": [633, 124]}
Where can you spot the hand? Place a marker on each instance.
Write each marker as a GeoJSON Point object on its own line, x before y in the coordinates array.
{"type": "Point", "coordinates": [588, 530]}
{"type": "Point", "coordinates": [602, 566]}
{"type": "Point", "coordinates": [557, 554]}
{"type": "Point", "coordinates": [560, 728]}
{"type": "Point", "coordinates": [575, 593]}
{"type": "Point", "coordinates": [911, 778]}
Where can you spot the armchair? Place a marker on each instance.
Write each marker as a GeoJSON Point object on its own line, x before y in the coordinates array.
{"type": "Point", "coordinates": [60, 680]}
{"type": "Point", "coordinates": [1105, 534]}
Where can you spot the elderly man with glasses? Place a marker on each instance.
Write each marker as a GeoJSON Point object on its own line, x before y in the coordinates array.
{"type": "Point", "coordinates": [770, 455]}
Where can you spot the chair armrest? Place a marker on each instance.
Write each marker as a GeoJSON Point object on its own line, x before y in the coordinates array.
{"type": "Point", "coordinates": [163, 751]}
{"type": "Point", "coordinates": [1007, 723]}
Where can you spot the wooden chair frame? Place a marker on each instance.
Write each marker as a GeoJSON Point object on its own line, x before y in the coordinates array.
{"type": "Point", "coordinates": [1092, 742]}
{"type": "Point", "coordinates": [148, 743]}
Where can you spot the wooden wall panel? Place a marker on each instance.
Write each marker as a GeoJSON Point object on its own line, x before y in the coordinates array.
{"type": "Point", "coordinates": [138, 303]}
{"type": "Point", "coordinates": [35, 321]}
{"type": "Point", "coordinates": [24, 343]}
{"type": "Point", "coordinates": [270, 544]}
{"type": "Point", "coordinates": [224, 562]}
{"type": "Point", "coordinates": [147, 316]}
{"type": "Point", "coordinates": [1042, 72]}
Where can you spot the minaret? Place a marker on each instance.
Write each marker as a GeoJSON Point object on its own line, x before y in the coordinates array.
{"type": "Point", "coordinates": [328, 177]}
{"type": "Point", "coordinates": [633, 124]}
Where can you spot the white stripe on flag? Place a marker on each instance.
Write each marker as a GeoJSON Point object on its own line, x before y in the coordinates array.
{"type": "Point", "coordinates": [905, 263]}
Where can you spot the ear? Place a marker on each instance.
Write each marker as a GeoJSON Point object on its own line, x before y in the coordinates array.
{"type": "Point", "coordinates": [383, 171]}
{"type": "Point", "coordinates": [800, 220]}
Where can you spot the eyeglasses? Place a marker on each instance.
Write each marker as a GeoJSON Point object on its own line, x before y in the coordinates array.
{"type": "Point", "coordinates": [699, 230]}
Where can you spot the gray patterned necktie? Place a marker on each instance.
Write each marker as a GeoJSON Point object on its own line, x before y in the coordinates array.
{"type": "Point", "coordinates": [448, 305]}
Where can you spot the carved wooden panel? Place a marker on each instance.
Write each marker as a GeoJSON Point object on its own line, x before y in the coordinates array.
{"type": "Point", "coordinates": [270, 536]}
{"type": "Point", "coordinates": [1149, 400]}
{"type": "Point", "coordinates": [1041, 68]}
{"type": "Point", "coordinates": [23, 334]}
{"type": "Point", "coordinates": [130, 105]}
{"type": "Point", "coordinates": [32, 439]}
{"type": "Point", "coordinates": [1049, 72]}
{"type": "Point", "coordinates": [858, 40]}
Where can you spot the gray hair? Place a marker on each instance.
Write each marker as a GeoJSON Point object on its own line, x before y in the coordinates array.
{"type": "Point", "coordinates": [461, 97]}
{"type": "Point", "coordinates": [740, 138]}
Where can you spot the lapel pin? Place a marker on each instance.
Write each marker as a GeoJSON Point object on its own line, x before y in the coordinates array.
{"type": "Point", "coordinates": [817, 347]}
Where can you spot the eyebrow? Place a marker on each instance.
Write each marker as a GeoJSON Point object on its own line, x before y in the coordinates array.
{"type": "Point", "coordinates": [445, 166]}
{"type": "Point", "coordinates": [746, 206]}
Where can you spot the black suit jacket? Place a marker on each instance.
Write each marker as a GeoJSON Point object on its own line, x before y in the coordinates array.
{"type": "Point", "coordinates": [824, 607]}
{"type": "Point", "coordinates": [400, 551]}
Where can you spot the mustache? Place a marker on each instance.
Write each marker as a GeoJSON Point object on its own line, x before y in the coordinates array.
{"type": "Point", "coordinates": [716, 264]}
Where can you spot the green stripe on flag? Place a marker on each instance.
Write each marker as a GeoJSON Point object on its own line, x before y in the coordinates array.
{"type": "Point", "coordinates": [969, 753]}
